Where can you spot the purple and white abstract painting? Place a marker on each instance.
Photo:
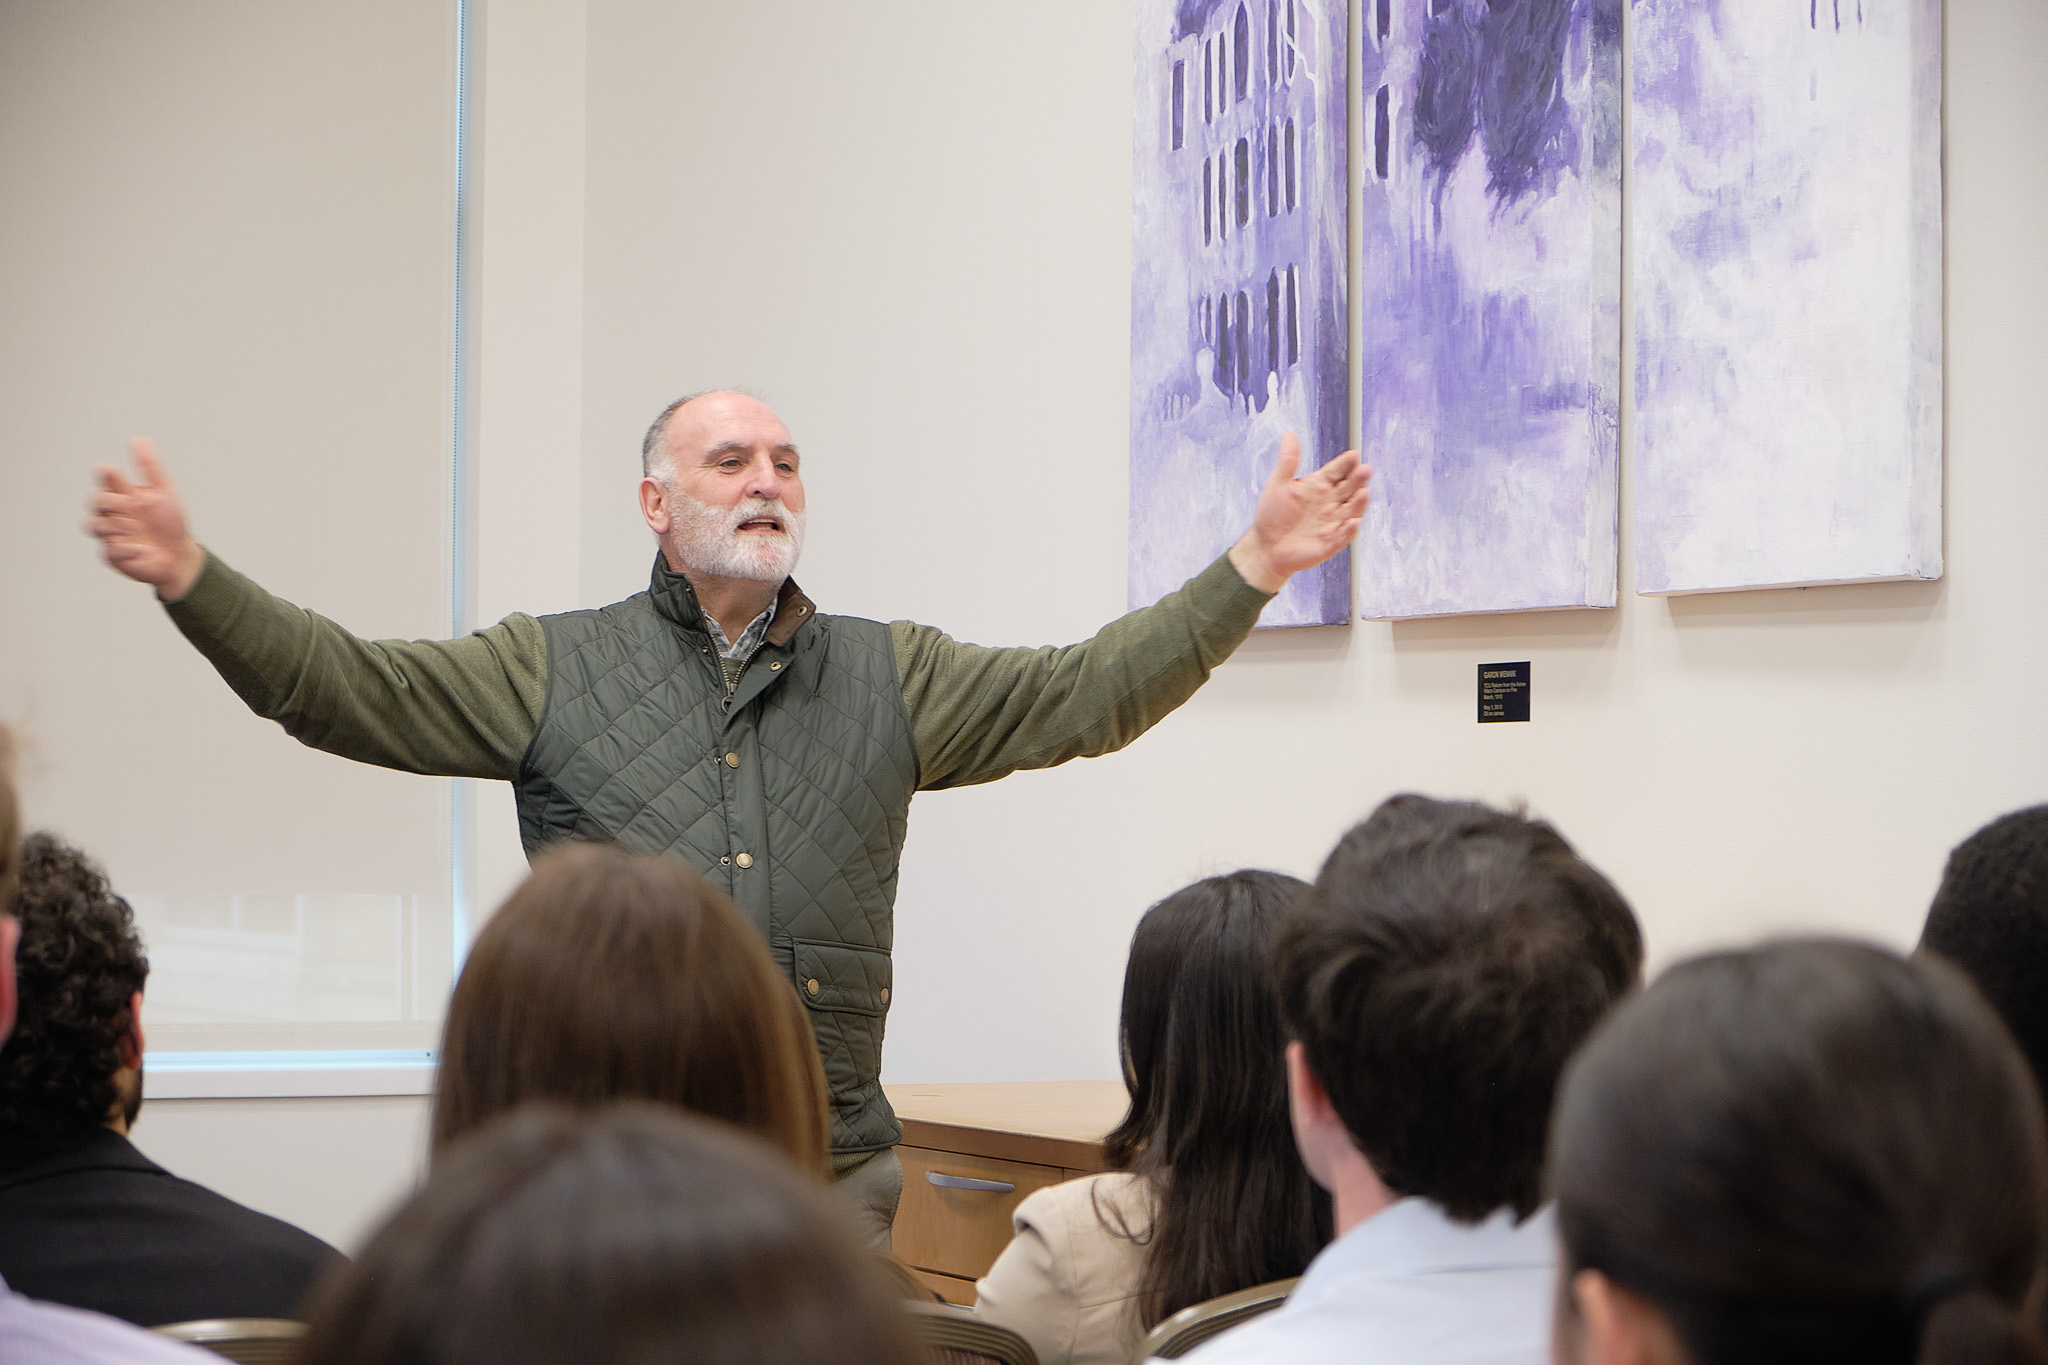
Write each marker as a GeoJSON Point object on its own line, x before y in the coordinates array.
{"type": "Point", "coordinates": [1787, 276]}
{"type": "Point", "coordinates": [1490, 276]}
{"type": "Point", "coordinates": [1238, 303]}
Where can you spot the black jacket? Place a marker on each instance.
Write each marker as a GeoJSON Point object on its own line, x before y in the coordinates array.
{"type": "Point", "coordinates": [103, 1227]}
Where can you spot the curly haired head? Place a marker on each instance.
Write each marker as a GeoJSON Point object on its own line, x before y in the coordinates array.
{"type": "Point", "coordinates": [79, 965]}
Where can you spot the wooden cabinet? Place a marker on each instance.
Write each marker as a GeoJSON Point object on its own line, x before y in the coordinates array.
{"type": "Point", "coordinates": [972, 1152]}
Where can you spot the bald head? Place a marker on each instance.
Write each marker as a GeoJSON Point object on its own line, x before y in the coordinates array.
{"type": "Point", "coordinates": [657, 459]}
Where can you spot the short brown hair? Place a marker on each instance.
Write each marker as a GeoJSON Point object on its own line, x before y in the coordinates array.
{"type": "Point", "coordinates": [632, 1233]}
{"type": "Point", "coordinates": [609, 975]}
{"type": "Point", "coordinates": [1439, 974]}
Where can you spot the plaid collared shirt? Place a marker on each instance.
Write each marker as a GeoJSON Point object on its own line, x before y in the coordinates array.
{"type": "Point", "coordinates": [736, 651]}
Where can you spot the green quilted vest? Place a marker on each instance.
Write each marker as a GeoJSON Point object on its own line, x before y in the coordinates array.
{"type": "Point", "coordinates": [792, 793]}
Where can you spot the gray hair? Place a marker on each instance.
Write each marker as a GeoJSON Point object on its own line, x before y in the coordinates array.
{"type": "Point", "coordinates": [654, 461]}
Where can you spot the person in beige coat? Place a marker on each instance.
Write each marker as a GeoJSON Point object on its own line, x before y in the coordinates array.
{"type": "Point", "coordinates": [1206, 1194]}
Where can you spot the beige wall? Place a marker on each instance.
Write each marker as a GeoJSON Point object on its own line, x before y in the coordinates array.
{"type": "Point", "coordinates": [907, 225]}
{"type": "Point", "coordinates": [334, 1167]}
{"type": "Point", "coordinates": [213, 237]}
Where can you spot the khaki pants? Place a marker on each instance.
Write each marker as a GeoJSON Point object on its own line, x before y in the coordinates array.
{"type": "Point", "coordinates": [871, 1191]}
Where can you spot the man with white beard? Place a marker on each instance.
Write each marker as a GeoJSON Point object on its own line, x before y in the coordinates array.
{"type": "Point", "coordinates": [719, 717]}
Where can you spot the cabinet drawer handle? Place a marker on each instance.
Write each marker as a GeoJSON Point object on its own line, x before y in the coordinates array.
{"type": "Point", "coordinates": [968, 1182]}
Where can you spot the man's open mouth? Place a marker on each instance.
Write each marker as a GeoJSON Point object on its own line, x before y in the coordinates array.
{"type": "Point", "coordinates": [762, 524]}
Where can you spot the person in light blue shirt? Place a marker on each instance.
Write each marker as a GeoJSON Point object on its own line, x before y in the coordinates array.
{"type": "Point", "coordinates": [36, 1333]}
{"type": "Point", "coordinates": [1433, 983]}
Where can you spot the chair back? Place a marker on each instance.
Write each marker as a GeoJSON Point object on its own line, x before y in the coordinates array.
{"type": "Point", "coordinates": [905, 1281]}
{"type": "Point", "coordinates": [957, 1336]}
{"type": "Point", "coordinates": [252, 1341]}
{"type": "Point", "coordinates": [1195, 1324]}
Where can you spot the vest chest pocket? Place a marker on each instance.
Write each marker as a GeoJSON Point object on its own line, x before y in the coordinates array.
{"type": "Point", "coordinates": [842, 978]}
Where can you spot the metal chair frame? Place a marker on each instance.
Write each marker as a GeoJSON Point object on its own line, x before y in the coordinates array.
{"type": "Point", "coordinates": [1195, 1324]}
{"type": "Point", "coordinates": [250, 1341]}
{"type": "Point", "coordinates": [945, 1328]}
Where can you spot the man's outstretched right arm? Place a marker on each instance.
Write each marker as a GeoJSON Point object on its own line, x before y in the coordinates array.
{"type": "Point", "coordinates": [461, 708]}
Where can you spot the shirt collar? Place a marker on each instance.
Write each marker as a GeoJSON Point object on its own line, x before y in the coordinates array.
{"type": "Point", "coordinates": [749, 640]}
{"type": "Point", "coordinates": [675, 599]}
{"type": "Point", "coordinates": [1413, 1235]}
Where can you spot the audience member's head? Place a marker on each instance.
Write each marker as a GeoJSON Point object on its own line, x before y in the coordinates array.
{"type": "Point", "coordinates": [10, 821]}
{"type": "Point", "coordinates": [1806, 1152]}
{"type": "Point", "coordinates": [1435, 979]}
{"type": "Point", "coordinates": [10, 841]}
{"type": "Point", "coordinates": [1202, 1048]}
{"type": "Point", "coordinates": [74, 1062]}
{"type": "Point", "coordinates": [616, 1236]}
{"type": "Point", "coordinates": [1990, 917]}
{"type": "Point", "coordinates": [607, 976]}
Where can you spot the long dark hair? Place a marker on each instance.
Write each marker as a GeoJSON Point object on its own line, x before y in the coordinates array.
{"type": "Point", "coordinates": [1202, 1054]}
{"type": "Point", "coordinates": [608, 975]}
{"type": "Point", "coordinates": [614, 1236]}
{"type": "Point", "coordinates": [1811, 1152]}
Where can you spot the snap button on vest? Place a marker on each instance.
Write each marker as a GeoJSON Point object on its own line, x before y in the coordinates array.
{"type": "Point", "coordinates": [812, 985]}
{"type": "Point", "coordinates": [885, 995]}
{"type": "Point", "coordinates": [745, 859]}
{"type": "Point", "coordinates": [732, 760]}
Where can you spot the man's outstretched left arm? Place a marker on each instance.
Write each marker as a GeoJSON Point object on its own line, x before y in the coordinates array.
{"type": "Point", "coordinates": [980, 713]}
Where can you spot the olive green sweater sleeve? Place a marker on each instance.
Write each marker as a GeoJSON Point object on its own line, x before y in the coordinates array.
{"type": "Point", "coordinates": [458, 708]}
{"type": "Point", "coordinates": [979, 713]}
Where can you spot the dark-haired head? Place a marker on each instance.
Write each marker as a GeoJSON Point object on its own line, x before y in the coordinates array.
{"type": "Point", "coordinates": [608, 975]}
{"type": "Point", "coordinates": [10, 840]}
{"type": "Point", "coordinates": [74, 1059]}
{"type": "Point", "coordinates": [1807, 1152]}
{"type": "Point", "coordinates": [615, 1236]}
{"type": "Point", "coordinates": [1990, 918]}
{"type": "Point", "coordinates": [1202, 1048]}
{"type": "Point", "coordinates": [1445, 965]}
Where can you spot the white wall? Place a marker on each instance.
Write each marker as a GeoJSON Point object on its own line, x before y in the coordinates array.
{"type": "Point", "coordinates": [335, 1167]}
{"type": "Point", "coordinates": [906, 224]}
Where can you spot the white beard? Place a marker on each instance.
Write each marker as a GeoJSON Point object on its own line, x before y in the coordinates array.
{"type": "Point", "coordinates": [709, 540]}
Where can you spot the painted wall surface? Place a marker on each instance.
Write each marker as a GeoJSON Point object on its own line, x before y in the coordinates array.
{"type": "Point", "coordinates": [1786, 193]}
{"type": "Point", "coordinates": [835, 204]}
{"type": "Point", "coordinates": [1238, 280]}
{"type": "Point", "coordinates": [1489, 185]}
{"type": "Point", "coordinates": [335, 1167]}
{"type": "Point", "coordinates": [895, 279]}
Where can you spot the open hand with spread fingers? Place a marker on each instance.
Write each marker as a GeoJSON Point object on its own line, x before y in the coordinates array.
{"type": "Point", "coordinates": [1301, 522]}
{"type": "Point", "coordinates": [141, 525]}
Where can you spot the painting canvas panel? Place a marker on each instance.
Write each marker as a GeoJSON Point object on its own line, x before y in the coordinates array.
{"type": "Point", "coordinates": [1787, 287]}
{"type": "Point", "coordinates": [1238, 302]}
{"type": "Point", "coordinates": [1490, 283]}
